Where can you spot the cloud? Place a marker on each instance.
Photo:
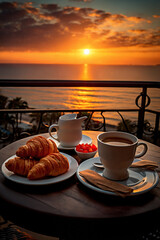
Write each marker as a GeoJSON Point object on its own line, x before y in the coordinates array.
{"type": "Point", "coordinates": [137, 31]}
{"type": "Point", "coordinates": [156, 16]}
{"type": "Point", "coordinates": [145, 38]}
{"type": "Point", "coordinates": [9, 12]}
{"type": "Point", "coordinates": [81, 0]}
{"type": "Point", "coordinates": [49, 27]}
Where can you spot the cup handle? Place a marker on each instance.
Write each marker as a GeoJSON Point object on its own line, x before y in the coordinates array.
{"type": "Point", "coordinates": [143, 151]}
{"type": "Point", "coordinates": [50, 131]}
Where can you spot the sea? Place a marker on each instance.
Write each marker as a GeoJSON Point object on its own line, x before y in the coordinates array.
{"type": "Point", "coordinates": [83, 97]}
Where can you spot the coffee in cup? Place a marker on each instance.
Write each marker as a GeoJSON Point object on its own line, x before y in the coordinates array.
{"type": "Point", "coordinates": [117, 152]}
{"type": "Point", "coordinates": [117, 141]}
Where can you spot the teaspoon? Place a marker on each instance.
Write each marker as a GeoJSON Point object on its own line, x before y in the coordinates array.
{"type": "Point", "coordinates": [99, 165]}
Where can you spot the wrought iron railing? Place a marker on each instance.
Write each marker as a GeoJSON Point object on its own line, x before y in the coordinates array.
{"type": "Point", "coordinates": [142, 101]}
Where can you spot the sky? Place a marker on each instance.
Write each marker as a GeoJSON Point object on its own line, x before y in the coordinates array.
{"type": "Point", "coordinates": [58, 31]}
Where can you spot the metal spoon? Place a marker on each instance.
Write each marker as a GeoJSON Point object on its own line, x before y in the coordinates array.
{"type": "Point", "coordinates": [138, 184]}
{"type": "Point", "coordinates": [99, 165]}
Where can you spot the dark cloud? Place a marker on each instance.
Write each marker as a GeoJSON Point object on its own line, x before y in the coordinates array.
{"type": "Point", "coordinates": [7, 5]}
{"type": "Point", "coordinates": [50, 7]}
{"type": "Point", "coordinates": [53, 28]}
{"type": "Point", "coordinates": [122, 39]}
{"type": "Point", "coordinates": [9, 12]}
{"type": "Point", "coordinates": [81, 0]}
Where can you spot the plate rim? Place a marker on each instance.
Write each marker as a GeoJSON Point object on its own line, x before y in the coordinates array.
{"type": "Point", "coordinates": [42, 182]}
{"type": "Point", "coordinates": [96, 189]}
{"type": "Point", "coordinates": [68, 148]}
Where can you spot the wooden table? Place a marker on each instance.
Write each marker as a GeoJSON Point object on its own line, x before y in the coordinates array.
{"type": "Point", "coordinates": [71, 211]}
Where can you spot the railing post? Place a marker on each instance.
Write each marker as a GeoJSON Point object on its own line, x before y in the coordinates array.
{"type": "Point", "coordinates": [40, 122]}
{"type": "Point", "coordinates": [141, 113]}
{"type": "Point", "coordinates": [104, 122]}
{"type": "Point", "coordinates": [156, 128]}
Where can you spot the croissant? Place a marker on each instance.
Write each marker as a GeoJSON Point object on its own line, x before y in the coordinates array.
{"type": "Point", "coordinates": [20, 166]}
{"type": "Point", "coordinates": [51, 165]}
{"type": "Point", "coordinates": [37, 147]}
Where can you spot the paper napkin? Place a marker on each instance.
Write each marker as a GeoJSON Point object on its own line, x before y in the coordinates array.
{"type": "Point", "coordinates": [105, 184]}
{"type": "Point", "coordinates": [145, 164]}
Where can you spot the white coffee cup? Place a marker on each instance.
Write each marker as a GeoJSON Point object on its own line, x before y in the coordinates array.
{"type": "Point", "coordinates": [69, 130]}
{"type": "Point", "coordinates": [117, 152]}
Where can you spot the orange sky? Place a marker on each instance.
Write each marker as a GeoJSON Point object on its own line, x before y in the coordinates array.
{"type": "Point", "coordinates": [132, 55]}
{"type": "Point", "coordinates": [49, 33]}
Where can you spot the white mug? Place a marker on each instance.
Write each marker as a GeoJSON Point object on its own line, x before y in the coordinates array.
{"type": "Point", "coordinates": [69, 130]}
{"type": "Point", "coordinates": [117, 152]}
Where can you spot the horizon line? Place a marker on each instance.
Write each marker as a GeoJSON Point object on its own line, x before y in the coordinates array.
{"type": "Point", "coordinates": [158, 64]}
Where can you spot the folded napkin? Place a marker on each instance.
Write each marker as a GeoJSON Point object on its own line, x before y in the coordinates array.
{"type": "Point", "coordinates": [105, 184]}
{"type": "Point", "coordinates": [145, 164]}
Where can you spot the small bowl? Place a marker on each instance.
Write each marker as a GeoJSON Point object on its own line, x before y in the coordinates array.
{"type": "Point", "coordinates": [84, 156]}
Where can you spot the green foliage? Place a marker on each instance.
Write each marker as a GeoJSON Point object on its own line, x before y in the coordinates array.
{"type": "Point", "coordinates": [131, 126]}
{"type": "Point", "coordinates": [17, 103]}
{"type": "Point", "coordinates": [3, 101]}
{"type": "Point", "coordinates": [127, 125]}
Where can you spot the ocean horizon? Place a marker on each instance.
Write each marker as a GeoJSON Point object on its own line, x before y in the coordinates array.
{"type": "Point", "coordinates": [79, 72]}
{"type": "Point", "coordinates": [83, 97]}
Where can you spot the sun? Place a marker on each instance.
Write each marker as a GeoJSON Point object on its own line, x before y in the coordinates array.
{"type": "Point", "coordinates": [86, 51]}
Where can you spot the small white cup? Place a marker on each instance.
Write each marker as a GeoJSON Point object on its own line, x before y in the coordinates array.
{"type": "Point", "coordinates": [69, 130]}
{"type": "Point", "coordinates": [117, 158]}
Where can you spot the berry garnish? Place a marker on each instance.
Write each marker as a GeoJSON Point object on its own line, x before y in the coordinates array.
{"type": "Point", "coordinates": [86, 148]}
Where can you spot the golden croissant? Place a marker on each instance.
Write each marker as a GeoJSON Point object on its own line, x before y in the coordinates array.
{"type": "Point", "coordinates": [20, 166]}
{"type": "Point", "coordinates": [51, 165]}
{"type": "Point", "coordinates": [37, 147]}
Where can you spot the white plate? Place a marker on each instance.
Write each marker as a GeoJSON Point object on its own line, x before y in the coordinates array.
{"type": "Point", "coordinates": [135, 175]}
{"type": "Point", "coordinates": [85, 139]}
{"type": "Point", "coordinates": [50, 180]}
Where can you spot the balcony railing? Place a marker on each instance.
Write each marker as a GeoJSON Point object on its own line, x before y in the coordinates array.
{"type": "Point", "coordinates": [142, 102]}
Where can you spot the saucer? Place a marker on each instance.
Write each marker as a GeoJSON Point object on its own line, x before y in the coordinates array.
{"type": "Point", "coordinates": [135, 176]}
{"type": "Point", "coordinates": [85, 139]}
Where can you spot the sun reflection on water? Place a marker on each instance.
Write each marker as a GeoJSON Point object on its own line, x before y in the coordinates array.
{"type": "Point", "coordinates": [85, 72]}
{"type": "Point", "coordinates": [83, 98]}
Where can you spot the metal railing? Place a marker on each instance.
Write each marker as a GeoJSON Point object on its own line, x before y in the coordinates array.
{"type": "Point", "coordinates": [142, 101]}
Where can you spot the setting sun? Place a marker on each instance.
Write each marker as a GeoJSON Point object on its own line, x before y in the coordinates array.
{"type": "Point", "coordinates": [86, 51]}
{"type": "Point", "coordinates": [80, 32]}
